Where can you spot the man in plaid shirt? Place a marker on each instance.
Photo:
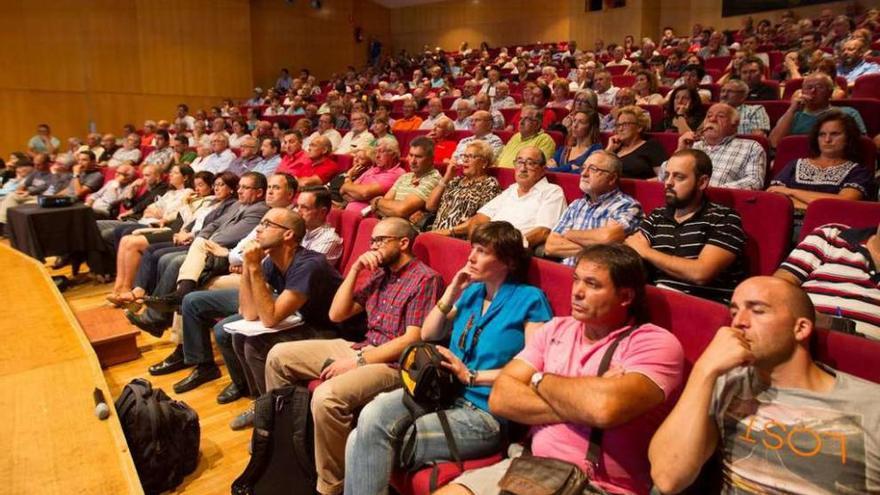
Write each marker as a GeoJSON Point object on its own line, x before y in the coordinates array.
{"type": "Point", "coordinates": [736, 163]}
{"type": "Point", "coordinates": [604, 215]}
{"type": "Point", "coordinates": [396, 296]}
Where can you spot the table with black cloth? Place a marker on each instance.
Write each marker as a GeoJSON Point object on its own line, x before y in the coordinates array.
{"type": "Point", "coordinates": [69, 230]}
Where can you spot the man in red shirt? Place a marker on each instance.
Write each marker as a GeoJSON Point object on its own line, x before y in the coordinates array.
{"type": "Point", "coordinates": [294, 157]}
{"type": "Point", "coordinates": [320, 167]}
{"type": "Point", "coordinates": [444, 145]}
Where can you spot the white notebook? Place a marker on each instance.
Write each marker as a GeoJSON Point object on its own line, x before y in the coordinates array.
{"type": "Point", "coordinates": [251, 328]}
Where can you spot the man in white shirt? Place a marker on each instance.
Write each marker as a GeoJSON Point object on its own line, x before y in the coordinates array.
{"type": "Point", "coordinates": [533, 205]}
{"type": "Point", "coordinates": [435, 112]}
{"type": "Point", "coordinates": [221, 156]}
{"type": "Point", "coordinates": [359, 137]}
{"type": "Point", "coordinates": [326, 128]}
{"type": "Point", "coordinates": [604, 88]}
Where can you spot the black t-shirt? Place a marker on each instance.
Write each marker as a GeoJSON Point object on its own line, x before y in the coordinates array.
{"type": "Point", "coordinates": [311, 275]}
{"type": "Point", "coordinates": [640, 163]}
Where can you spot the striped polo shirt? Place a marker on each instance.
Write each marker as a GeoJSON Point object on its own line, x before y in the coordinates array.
{"type": "Point", "coordinates": [586, 214]}
{"type": "Point", "coordinates": [712, 224]}
{"type": "Point", "coordinates": [837, 271]}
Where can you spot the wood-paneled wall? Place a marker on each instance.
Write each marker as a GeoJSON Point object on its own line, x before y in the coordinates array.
{"type": "Point", "coordinates": [498, 22]}
{"type": "Point", "coordinates": [76, 63]}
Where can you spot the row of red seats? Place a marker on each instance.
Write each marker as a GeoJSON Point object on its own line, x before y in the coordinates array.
{"type": "Point", "coordinates": [691, 319]}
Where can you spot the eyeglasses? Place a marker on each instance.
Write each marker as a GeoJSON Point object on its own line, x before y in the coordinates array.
{"type": "Point", "coordinates": [469, 156]}
{"type": "Point", "coordinates": [527, 163]}
{"type": "Point", "coordinates": [382, 239]}
{"type": "Point", "coordinates": [621, 125]}
{"type": "Point", "coordinates": [266, 223]}
{"type": "Point", "coordinates": [594, 169]}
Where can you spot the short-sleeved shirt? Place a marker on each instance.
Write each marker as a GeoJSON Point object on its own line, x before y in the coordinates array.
{"type": "Point", "coordinates": [499, 332]}
{"type": "Point", "coordinates": [802, 174]}
{"type": "Point", "coordinates": [540, 207]}
{"type": "Point", "coordinates": [58, 184]}
{"type": "Point", "coordinates": [791, 440]}
{"type": "Point", "coordinates": [736, 163]}
{"type": "Point", "coordinates": [561, 348]}
{"type": "Point", "coordinates": [37, 182]}
{"type": "Point", "coordinates": [712, 224]}
{"type": "Point", "coordinates": [835, 268]}
{"type": "Point", "coordinates": [752, 118]}
{"type": "Point", "coordinates": [586, 214]}
{"type": "Point", "coordinates": [311, 275]}
{"type": "Point", "coordinates": [376, 175]}
{"type": "Point", "coordinates": [542, 140]}
{"type": "Point", "coordinates": [294, 164]}
{"type": "Point", "coordinates": [804, 121]}
{"type": "Point", "coordinates": [640, 163]}
{"type": "Point", "coordinates": [410, 124]}
{"type": "Point", "coordinates": [460, 201]}
{"type": "Point", "coordinates": [396, 300]}
{"type": "Point", "coordinates": [407, 184]}
{"type": "Point", "coordinates": [37, 144]}
{"type": "Point", "coordinates": [93, 180]}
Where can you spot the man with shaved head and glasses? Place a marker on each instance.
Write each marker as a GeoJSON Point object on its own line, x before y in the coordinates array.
{"type": "Point", "coordinates": [397, 296]}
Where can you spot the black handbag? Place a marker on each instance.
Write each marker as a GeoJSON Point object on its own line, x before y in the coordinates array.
{"type": "Point", "coordinates": [533, 475]}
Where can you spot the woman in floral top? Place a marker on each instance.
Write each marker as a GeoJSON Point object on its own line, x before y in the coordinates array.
{"type": "Point", "coordinates": [457, 198]}
{"type": "Point", "coordinates": [832, 171]}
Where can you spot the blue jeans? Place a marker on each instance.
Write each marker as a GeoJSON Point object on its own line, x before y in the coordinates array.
{"type": "Point", "coordinates": [148, 270]}
{"type": "Point", "coordinates": [200, 310]}
{"type": "Point", "coordinates": [385, 425]}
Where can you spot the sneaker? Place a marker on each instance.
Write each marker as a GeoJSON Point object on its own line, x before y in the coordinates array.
{"type": "Point", "coordinates": [243, 420]}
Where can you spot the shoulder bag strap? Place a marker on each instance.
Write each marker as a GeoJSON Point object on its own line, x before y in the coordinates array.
{"type": "Point", "coordinates": [596, 433]}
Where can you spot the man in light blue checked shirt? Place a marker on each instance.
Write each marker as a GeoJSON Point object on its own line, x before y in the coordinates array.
{"type": "Point", "coordinates": [605, 214]}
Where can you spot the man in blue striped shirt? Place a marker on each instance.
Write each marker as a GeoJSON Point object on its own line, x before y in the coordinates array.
{"type": "Point", "coordinates": [694, 245]}
{"type": "Point", "coordinates": [604, 215]}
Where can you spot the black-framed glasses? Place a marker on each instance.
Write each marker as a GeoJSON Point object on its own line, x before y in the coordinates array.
{"type": "Point", "coordinates": [382, 239]}
{"type": "Point", "coordinates": [265, 223]}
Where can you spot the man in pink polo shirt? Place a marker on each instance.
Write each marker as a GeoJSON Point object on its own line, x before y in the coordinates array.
{"type": "Point", "coordinates": [361, 186]}
{"type": "Point", "coordinates": [553, 384]}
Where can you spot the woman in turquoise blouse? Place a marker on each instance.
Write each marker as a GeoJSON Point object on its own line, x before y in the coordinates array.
{"type": "Point", "coordinates": [492, 313]}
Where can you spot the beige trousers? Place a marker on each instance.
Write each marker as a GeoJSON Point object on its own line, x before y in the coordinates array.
{"type": "Point", "coordinates": [334, 401]}
{"type": "Point", "coordinates": [194, 263]}
{"type": "Point", "coordinates": [11, 201]}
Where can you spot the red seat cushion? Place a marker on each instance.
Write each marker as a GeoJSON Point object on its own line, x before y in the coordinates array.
{"type": "Point", "coordinates": [419, 482]}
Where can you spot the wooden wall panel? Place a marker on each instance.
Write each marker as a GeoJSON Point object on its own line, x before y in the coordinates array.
{"type": "Point", "coordinates": [498, 22]}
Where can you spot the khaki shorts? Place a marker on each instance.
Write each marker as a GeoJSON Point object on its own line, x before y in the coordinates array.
{"type": "Point", "coordinates": [484, 481]}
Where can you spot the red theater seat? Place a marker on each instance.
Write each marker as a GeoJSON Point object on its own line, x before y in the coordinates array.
{"type": "Point", "coordinates": [616, 70]}
{"type": "Point", "coordinates": [445, 254]}
{"type": "Point", "coordinates": [716, 63]}
{"type": "Point", "coordinates": [859, 214]}
{"type": "Point", "coordinates": [361, 241]}
{"type": "Point", "coordinates": [348, 222]}
{"type": "Point", "coordinates": [868, 108]}
{"type": "Point", "coordinates": [867, 86]}
{"type": "Point", "coordinates": [344, 161]}
{"type": "Point", "coordinates": [404, 138]}
{"type": "Point", "coordinates": [508, 113]}
{"type": "Point", "coordinates": [623, 80]}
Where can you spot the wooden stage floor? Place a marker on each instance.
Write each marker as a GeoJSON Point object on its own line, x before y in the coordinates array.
{"type": "Point", "coordinates": [223, 451]}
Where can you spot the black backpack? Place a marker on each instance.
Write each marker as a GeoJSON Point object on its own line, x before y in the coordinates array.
{"type": "Point", "coordinates": [162, 435]}
{"type": "Point", "coordinates": [282, 446]}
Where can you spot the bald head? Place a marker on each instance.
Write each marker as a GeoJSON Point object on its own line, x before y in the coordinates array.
{"type": "Point", "coordinates": [786, 294]}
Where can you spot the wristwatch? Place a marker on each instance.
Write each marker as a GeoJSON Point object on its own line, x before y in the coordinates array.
{"type": "Point", "coordinates": [536, 380]}
{"type": "Point", "coordinates": [361, 360]}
